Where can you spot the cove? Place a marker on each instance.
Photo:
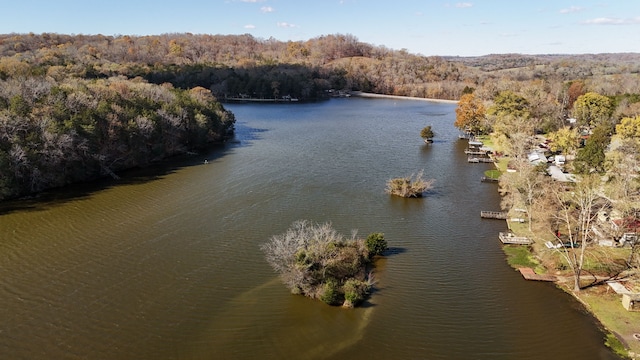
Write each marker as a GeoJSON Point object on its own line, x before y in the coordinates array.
{"type": "Point", "coordinates": [165, 264]}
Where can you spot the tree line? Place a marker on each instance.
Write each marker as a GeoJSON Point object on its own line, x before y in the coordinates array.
{"type": "Point", "coordinates": [76, 107]}
{"type": "Point", "coordinates": [54, 133]}
{"type": "Point", "coordinates": [599, 136]}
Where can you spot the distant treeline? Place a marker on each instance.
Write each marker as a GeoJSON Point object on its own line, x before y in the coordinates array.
{"type": "Point", "coordinates": [77, 107]}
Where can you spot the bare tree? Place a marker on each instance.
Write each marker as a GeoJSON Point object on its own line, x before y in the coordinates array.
{"type": "Point", "coordinates": [410, 186]}
{"type": "Point", "coordinates": [523, 188]}
{"type": "Point", "coordinates": [316, 261]}
{"type": "Point", "coordinates": [576, 210]}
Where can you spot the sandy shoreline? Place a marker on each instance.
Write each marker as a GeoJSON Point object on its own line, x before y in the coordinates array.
{"type": "Point", "coordinates": [371, 95]}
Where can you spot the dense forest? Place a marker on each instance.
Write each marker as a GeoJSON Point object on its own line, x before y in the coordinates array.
{"type": "Point", "coordinates": [78, 107]}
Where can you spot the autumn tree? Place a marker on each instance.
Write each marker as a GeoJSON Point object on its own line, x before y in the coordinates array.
{"type": "Point", "coordinates": [566, 139]}
{"type": "Point", "coordinates": [629, 128]}
{"type": "Point", "coordinates": [575, 90]}
{"type": "Point", "coordinates": [512, 130]}
{"type": "Point", "coordinates": [622, 162]}
{"type": "Point", "coordinates": [592, 109]}
{"type": "Point", "coordinates": [470, 115]}
{"type": "Point", "coordinates": [508, 103]}
{"type": "Point", "coordinates": [546, 111]}
{"type": "Point", "coordinates": [509, 114]}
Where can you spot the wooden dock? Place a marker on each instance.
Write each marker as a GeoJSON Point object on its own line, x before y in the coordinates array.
{"type": "Point", "coordinates": [510, 238]}
{"type": "Point", "coordinates": [474, 152]}
{"type": "Point", "coordinates": [529, 274]}
{"type": "Point", "coordinates": [472, 159]}
{"type": "Point", "coordinates": [500, 215]}
{"type": "Point", "coordinates": [489, 180]}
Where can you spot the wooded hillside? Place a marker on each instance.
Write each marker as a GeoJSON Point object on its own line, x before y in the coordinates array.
{"type": "Point", "coordinates": [77, 107]}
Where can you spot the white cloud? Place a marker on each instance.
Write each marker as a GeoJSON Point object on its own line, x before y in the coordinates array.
{"type": "Point", "coordinates": [267, 9]}
{"type": "Point", "coordinates": [572, 9]}
{"type": "Point", "coordinates": [252, 1]}
{"type": "Point", "coordinates": [612, 21]}
{"type": "Point", "coordinates": [286, 25]}
{"type": "Point", "coordinates": [249, 26]}
{"type": "Point", "coordinates": [464, 5]}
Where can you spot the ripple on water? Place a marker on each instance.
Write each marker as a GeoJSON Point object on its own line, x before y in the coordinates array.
{"type": "Point", "coordinates": [171, 267]}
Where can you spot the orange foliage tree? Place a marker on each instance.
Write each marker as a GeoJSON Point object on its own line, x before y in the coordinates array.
{"type": "Point", "coordinates": [470, 114]}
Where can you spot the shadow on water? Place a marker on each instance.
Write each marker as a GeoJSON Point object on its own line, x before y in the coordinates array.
{"type": "Point", "coordinates": [244, 136]}
{"type": "Point", "coordinates": [55, 197]}
{"type": "Point", "coordinates": [394, 251]}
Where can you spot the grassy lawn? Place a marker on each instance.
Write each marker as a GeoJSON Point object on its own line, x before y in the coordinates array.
{"type": "Point", "coordinates": [502, 164]}
{"type": "Point", "coordinates": [606, 305]}
{"type": "Point", "coordinates": [520, 256]}
{"type": "Point", "coordinates": [492, 174]}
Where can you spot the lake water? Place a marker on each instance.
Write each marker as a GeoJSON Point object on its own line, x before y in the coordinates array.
{"type": "Point", "coordinates": [165, 263]}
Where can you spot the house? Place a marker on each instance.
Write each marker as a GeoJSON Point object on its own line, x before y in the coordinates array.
{"type": "Point", "coordinates": [629, 227]}
{"type": "Point", "coordinates": [536, 157]}
{"type": "Point", "coordinates": [610, 230]}
{"type": "Point", "coordinates": [631, 302]}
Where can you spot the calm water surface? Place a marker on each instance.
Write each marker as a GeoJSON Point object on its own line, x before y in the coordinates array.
{"type": "Point", "coordinates": [165, 264]}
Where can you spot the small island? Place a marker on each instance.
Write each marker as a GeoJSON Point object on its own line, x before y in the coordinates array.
{"type": "Point", "coordinates": [410, 186]}
{"type": "Point", "coordinates": [314, 260]}
{"type": "Point", "coordinates": [427, 134]}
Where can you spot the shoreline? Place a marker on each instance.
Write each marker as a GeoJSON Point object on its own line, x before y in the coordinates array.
{"type": "Point", "coordinates": [372, 95]}
{"type": "Point", "coordinates": [604, 307]}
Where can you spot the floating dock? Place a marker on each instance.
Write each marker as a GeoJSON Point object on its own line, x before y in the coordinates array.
{"type": "Point", "coordinates": [510, 238]}
{"type": "Point", "coordinates": [500, 215]}
{"type": "Point", "coordinates": [479, 160]}
{"type": "Point", "coordinates": [475, 152]}
{"type": "Point", "coordinates": [489, 180]}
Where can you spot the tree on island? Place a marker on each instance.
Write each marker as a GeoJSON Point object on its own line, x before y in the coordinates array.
{"type": "Point", "coordinates": [427, 134]}
{"type": "Point", "coordinates": [411, 186]}
{"type": "Point", "coordinates": [316, 261]}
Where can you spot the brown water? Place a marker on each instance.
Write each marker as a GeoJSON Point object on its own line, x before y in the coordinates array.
{"type": "Point", "coordinates": [165, 263]}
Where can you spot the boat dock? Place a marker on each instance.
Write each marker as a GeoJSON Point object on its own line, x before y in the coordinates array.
{"type": "Point", "coordinates": [510, 238]}
{"type": "Point", "coordinates": [475, 152]}
{"type": "Point", "coordinates": [479, 160]}
{"type": "Point", "coordinates": [489, 180]}
{"type": "Point", "coordinates": [529, 274]}
{"type": "Point", "coordinates": [500, 215]}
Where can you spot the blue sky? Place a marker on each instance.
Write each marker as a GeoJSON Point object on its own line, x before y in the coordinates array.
{"type": "Point", "coordinates": [427, 27]}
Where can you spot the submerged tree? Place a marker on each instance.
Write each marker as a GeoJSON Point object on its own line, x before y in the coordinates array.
{"type": "Point", "coordinates": [316, 261]}
{"type": "Point", "coordinates": [427, 134]}
{"type": "Point", "coordinates": [411, 186]}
